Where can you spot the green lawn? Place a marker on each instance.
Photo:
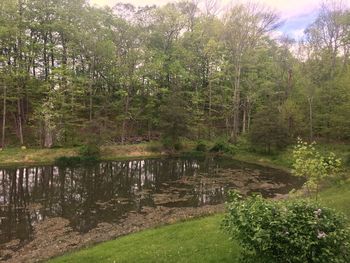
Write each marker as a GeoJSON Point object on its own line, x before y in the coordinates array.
{"type": "Point", "coordinates": [338, 197]}
{"type": "Point", "coordinates": [199, 240]}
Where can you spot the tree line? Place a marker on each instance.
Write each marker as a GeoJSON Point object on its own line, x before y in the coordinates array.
{"type": "Point", "coordinates": [71, 72]}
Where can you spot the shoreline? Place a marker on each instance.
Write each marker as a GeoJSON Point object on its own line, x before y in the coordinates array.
{"type": "Point", "coordinates": [16, 157]}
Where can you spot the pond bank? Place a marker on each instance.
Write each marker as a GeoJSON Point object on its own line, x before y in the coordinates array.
{"type": "Point", "coordinates": [54, 236]}
{"type": "Point", "coordinates": [199, 240]}
{"type": "Point", "coordinates": [37, 156]}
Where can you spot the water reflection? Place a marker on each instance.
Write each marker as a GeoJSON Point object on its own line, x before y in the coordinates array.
{"type": "Point", "coordinates": [105, 192]}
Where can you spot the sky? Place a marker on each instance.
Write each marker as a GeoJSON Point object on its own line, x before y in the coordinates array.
{"type": "Point", "coordinates": [296, 14]}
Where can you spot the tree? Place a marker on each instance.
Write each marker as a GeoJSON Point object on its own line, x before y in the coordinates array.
{"type": "Point", "coordinates": [268, 130]}
{"type": "Point", "coordinates": [245, 25]}
{"type": "Point", "coordinates": [309, 163]}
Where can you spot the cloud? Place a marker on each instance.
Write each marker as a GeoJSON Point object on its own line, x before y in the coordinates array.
{"type": "Point", "coordinates": [296, 14]}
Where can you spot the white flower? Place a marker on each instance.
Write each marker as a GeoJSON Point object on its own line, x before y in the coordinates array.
{"type": "Point", "coordinates": [318, 212]}
{"type": "Point", "coordinates": [321, 234]}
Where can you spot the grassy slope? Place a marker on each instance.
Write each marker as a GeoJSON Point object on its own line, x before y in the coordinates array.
{"type": "Point", "coordinates": [284, 159]}
{"type": "Point", "coordinates": [199, 240]}
{"type": "Point", "coordinates": [338, 197]}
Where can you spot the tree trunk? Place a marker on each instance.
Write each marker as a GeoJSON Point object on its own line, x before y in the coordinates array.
{"type": "Point", "coordinates": [126, 110]}
{"type": "Point", "coordinates": [20, 129]}
{"type": "Point", "coordinates": [149, 127]}
{"type": "Point", "coordinates": [244, 121]}
{"type": "Point", "coordinates": [310, 119]}
{"type": "Point", "coordinates": [236, 103]}
{"type": "Point", "coordinates": [90, 104]}
{"type": "Point", "coordinates": [209, 115]}
{"type": "Point", "coordinates": [48, 137]}
{"type": "Point", "coordinates": [4, 118]}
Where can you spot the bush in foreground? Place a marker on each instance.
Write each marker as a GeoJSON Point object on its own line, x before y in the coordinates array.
{"type": "Point", "coordinates": [287, 231]}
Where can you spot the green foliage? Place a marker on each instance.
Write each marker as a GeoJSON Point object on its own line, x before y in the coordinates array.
{"type": "Point", "coordinates": [268, 130]}
{"type": "Point", "coordinates": [201, 146]}
{"type": "Point", "coordinates": [90, 150]}
{"type": "Point", "coordinates": [223, 147]}
{"type": "Point", "coordinates": [174, 121]}
{"type": "Point", "coordinates": [172, 144]}
{"type": "Point", "coordinates": [309, 163]}
{"type": "Point", "coordinates": [109, 74]}
{"type": "Point", "coordinates": [243, 144]}
{"type": "Point", "coordinates": [295, 231]}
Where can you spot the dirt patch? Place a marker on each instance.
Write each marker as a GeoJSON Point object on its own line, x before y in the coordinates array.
{"type": "Point", "coordinates": [54, 236]}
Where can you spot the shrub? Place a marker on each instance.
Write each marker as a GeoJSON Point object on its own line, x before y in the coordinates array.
{"type": "Point", "coordinates": [309, 163]}
{"type": "Point", "coordinates": [223, 147]}
{"type": "Point", "coordinates": [171, 144]}
{"type": "Point", "coordinates": [89, 150]}
{"type": "Point", "coordinates": [287, 231]}
{"type": "Point", "coordinates": [201, 147]}
{"type": "Point", "coordinates": [243, 144]}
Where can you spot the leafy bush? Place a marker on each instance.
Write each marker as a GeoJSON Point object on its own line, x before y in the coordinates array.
{"type": "Point", "coordinates": [243, 144]}
{"type": "Point", "coordinates": [287, 231]}
{"type": "Point", "coordinates": [171, 144]}
{"type": "Point", "coordinates": [89, 150]}
{"type": "Point", "coordinates": [309, 163]}
{"type": "Point", "coordinates": [223, 147]}
{"type": "Point", "coordinates": [201, 147]}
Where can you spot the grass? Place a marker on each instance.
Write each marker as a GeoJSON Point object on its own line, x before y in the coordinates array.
{"type": "Point", "coordinates": [199, 240]}
{"type": "Point", "coordinates": [284, 159]}
{"type": "Point", "coordinates": [18, 156]}
{"type": "Point", "coordinates": [337, 197]}
{"type": "Point", "coordinates": [38, 156]}
{"type": "Point", "coordinates": [35, 156]}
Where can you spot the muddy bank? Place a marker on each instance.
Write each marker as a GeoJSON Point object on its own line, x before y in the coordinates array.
{"type": "Point", "coordinates": [54, 236]}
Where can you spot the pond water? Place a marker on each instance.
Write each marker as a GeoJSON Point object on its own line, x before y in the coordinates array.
{"type": "Point", "coordinates": [107, 191]}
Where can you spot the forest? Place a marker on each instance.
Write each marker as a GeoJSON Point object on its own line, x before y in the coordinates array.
{"type": "Point", "coordinates": [210, 129]}
{"type": "Point", "coordinates": [72, 72]}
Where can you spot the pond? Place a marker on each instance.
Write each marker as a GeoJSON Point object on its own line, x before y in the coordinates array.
{"type": "Point", "coordinates": [109, 192]}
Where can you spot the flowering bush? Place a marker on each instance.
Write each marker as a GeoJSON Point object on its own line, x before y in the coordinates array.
{"type": "Point", "coordinates": [287, 231]}
{"type": "Point", "coordinates": [310, 164]}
